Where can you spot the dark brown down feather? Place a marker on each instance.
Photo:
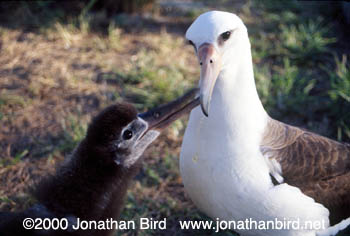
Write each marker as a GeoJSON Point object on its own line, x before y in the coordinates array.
{"type": "Point", "coordinates": [89, 186]}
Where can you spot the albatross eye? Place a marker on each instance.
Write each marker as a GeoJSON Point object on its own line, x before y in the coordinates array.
{"type": "Point", "coordinates": [226, 35]}
{"type": "Point", "coordinates": [127, 134]}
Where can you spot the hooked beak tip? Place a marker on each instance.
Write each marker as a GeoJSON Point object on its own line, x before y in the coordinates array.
{"type": "Point", "coordinates": [204, 107]}
{"type": "Point", "coordinates": [204, 111]}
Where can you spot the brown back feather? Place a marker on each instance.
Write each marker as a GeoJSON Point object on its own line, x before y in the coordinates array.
{"type": "Point", "coordinates": [319, 166]}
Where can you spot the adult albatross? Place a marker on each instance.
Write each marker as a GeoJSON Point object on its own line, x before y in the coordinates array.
{"type": "Point", "coordinates": [238, 163]}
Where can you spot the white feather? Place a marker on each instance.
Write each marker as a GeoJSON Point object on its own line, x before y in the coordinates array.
{"type": "Point", "coordinates": [331, 231]}
{"type": "Point", "coordinates": [222, 167]}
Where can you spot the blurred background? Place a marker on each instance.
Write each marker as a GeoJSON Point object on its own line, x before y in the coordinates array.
{"type": "Point", "coordinates": [61, 62]}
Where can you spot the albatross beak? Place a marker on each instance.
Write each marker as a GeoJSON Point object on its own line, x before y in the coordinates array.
{"type": "Point", "coordinates": [162, 116]}
{"type": "Point", "coordinates": [210, 61]}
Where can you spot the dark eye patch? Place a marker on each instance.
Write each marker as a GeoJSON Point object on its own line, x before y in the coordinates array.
{"type": "Point", "coordinates": [226, 35]}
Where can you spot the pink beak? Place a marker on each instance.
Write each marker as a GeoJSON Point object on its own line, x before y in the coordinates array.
{"type": "Point", "coordinates": [210, 61]}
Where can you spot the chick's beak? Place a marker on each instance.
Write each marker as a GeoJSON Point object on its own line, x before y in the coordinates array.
{"type": "Point", "coordinates": [161, 117]}
{"type": "Point", "coordinates": [210, 62]}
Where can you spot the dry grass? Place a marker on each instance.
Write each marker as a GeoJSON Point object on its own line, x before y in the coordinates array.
{"type": "Point", "coordinates": [53, 82]}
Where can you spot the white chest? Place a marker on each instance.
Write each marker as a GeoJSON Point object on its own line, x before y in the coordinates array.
{"type": "Point", "coordinates": [216, 169]}
{"type": "Point", "coordinates": [227, 178]}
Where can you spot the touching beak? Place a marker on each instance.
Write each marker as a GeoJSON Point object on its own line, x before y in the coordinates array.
{"type": "Point", "coordinates": [210, 61]}
{"type": "Point", "coordinates": [162, 116]}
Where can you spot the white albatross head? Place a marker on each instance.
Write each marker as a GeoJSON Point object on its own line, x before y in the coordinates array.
{"type": "Point", "coordinates": [218, 38]}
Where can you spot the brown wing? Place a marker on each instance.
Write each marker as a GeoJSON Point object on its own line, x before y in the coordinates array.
{"type": "Point", "coordinates": [319, 166]}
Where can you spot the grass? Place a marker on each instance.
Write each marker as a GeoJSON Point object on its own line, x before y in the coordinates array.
{"type": "Point", "coordinates": [74, 130]}
{"type": "Point", "coordinates": [9, 100]}
{"type": "Point", "coordinates": [305, 42]}
{"type": "Point", "coordinates": [296, 74]}
{"type": "Point", "coordinates": [339, 95]}
{"type": "Point", "coordinates": [14, 160]}
{"type": "Point", "coordinates": [340, 81]}
{"type": "Point", "coordinates": [60, 75]}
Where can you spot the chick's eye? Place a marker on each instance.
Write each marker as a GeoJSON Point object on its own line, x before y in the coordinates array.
{"type": "Point", "coordinates": [127, 134]}
{"type": "Point", "coordinates": [226, 35]}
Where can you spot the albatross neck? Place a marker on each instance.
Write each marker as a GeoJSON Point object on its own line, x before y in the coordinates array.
{"type": "Point", "coordinates": [236, 102]}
